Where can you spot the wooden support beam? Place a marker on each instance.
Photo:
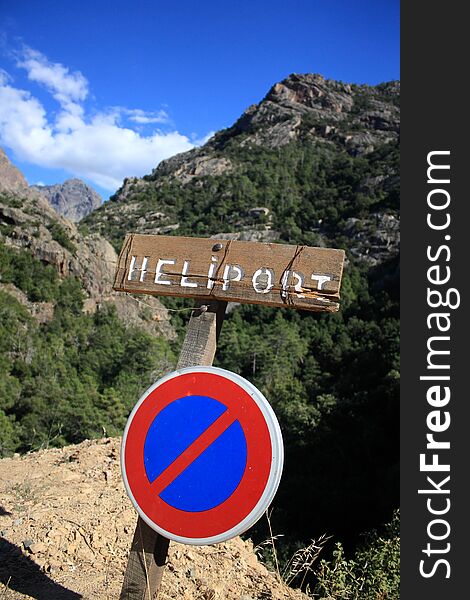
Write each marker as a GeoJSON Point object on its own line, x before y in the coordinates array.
{"type": "Point", "coordinates": [149, 549]}
{"type": "Point", "coordinates": [203, 331]}
{"type": "Point", "coordinates": [145, 565]}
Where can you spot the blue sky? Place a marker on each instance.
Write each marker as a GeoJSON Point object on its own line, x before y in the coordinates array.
{"type": "Point", "coordinates": [105, 89]}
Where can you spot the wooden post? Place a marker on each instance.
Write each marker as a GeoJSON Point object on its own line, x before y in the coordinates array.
{"type": "Point", "coordinates": [149, 550]}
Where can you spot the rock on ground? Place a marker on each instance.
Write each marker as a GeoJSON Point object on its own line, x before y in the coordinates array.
{"type": "Point", "coordinates": [66, 526]}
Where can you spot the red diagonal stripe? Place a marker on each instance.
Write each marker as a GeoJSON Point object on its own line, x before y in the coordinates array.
{"type": "Point", "coordinates": [193, 451]}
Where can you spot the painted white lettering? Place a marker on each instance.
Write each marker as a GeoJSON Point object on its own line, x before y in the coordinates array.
{"type": "Point", "coordinates": [299, 283]}
{"type": "Point", "coordinates": [284, 283]}
{"type": "Point", "coordinates": [263, 280]}
{"type": "Point", "coordinates": [184, 279]}
{"type": "Point", "coordinates": [143, 268]}
{"type": "Point", "coordinates": [321, 279]}
{"type": "Point", "coordinates": [211, 274]}
{"type": "Point", "coordinates": [159, 273]}
{"type": "Point", "coordinates": [132, 268]}
{"type": "Point", "coordinates": [231, 273]}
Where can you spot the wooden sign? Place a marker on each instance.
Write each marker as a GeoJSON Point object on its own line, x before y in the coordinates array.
{"type": "Point", "coordinates": [252, 272]}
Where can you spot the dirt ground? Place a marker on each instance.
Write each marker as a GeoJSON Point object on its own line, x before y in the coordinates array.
{"type": "Point", "coordinates": [66, 526]}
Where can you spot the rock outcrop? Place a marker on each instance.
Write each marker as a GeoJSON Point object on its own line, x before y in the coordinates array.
{"type": "Point", "coordinates": [29, 222]}
{"type": "Point", "coordinates": [73, 199]}
{"type": "Point", "coordinates": [11, 178]}
{"type": "Point", "coordinates": [303, 115]}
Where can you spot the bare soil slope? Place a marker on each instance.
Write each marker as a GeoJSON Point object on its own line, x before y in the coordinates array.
{"type": "Point", "coordinates": [66, 526]}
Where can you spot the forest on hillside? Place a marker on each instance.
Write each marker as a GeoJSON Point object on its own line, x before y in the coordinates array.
{"type": "Point", "coordinates": [332, 379]}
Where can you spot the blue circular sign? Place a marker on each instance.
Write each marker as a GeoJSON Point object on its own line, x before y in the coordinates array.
{"type": "Point", "coordinates": [173, 430]}
{"type": "Point", "coordinates": [201, 455]}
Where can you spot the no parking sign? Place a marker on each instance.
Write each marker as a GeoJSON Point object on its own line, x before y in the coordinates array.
{"type": "Point", "coordinates": [201, 455]}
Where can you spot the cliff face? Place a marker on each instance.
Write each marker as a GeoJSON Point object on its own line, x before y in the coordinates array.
{"type": "Point", "coordinates": [356, 118]}
{"type": "Point", "coordinates": [318, 157]}
{"type": "Point", "coordinates": [74, 355]}
{"type": "Point", "coordinates": [73, 199]}
{"type": "Point", "coordinates": [28, 222]}
{"type": "Point", "coordinates": [11, 178]}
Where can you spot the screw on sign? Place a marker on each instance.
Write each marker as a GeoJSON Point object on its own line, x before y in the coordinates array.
{"type": "Point", "coordinates": [202, 455]}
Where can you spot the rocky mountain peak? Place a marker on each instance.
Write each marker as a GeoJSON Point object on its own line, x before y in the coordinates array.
{"type": "Point", "coordinates": [309, 104]}
{"type": "Point", "coordinates": [29, 223]}
{"type": "Point", "coordinates": [11, 178]}
{"type": "Point", "coordinates": [73, 199]}
{"type": "Point", "coordinates": [319, 154]}
{"type": "Point", "coordinates": [300, 108]}
{"type": "Point", "coordinates": [311, 91]}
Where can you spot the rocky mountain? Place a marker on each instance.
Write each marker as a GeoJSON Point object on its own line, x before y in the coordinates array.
{"type": "Point", "coordinates": [73, 199]}
{"type": "Point", "coordinates": [59, 319]}
{"type": "Point", "coordinates": [29, 223]}
{"type": "Point", "coordinates": [11, 178]}
{"type": "Point", "coordinates": [316, 161]}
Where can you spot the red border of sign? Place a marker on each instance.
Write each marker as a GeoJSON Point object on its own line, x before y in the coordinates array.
{"type": "Point", "coordinates": [228, 514]}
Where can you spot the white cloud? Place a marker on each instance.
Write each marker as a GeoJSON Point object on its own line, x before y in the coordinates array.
{"type": "Point", "coordinates": [65, 86]}
{"type": "Point", "coordinates": [142, 117]}
{"type": "Point", "coordinates": [99, 148]}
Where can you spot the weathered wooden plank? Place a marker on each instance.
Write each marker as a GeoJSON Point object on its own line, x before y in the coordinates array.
{"type": "Point", "coordinates": [253, 272]}
{"type": "Point", "coordinates": [200, 342]}
{"type": "Point", "coordinates": [149, 550]}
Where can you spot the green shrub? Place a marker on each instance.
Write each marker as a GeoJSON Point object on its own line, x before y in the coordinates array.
{"type": "Point", "coordinates": [38, 281]}
{"type": "Point", "coordinates": [373, 573]}
{"type": "Point", "coordinates": [59, 234]}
